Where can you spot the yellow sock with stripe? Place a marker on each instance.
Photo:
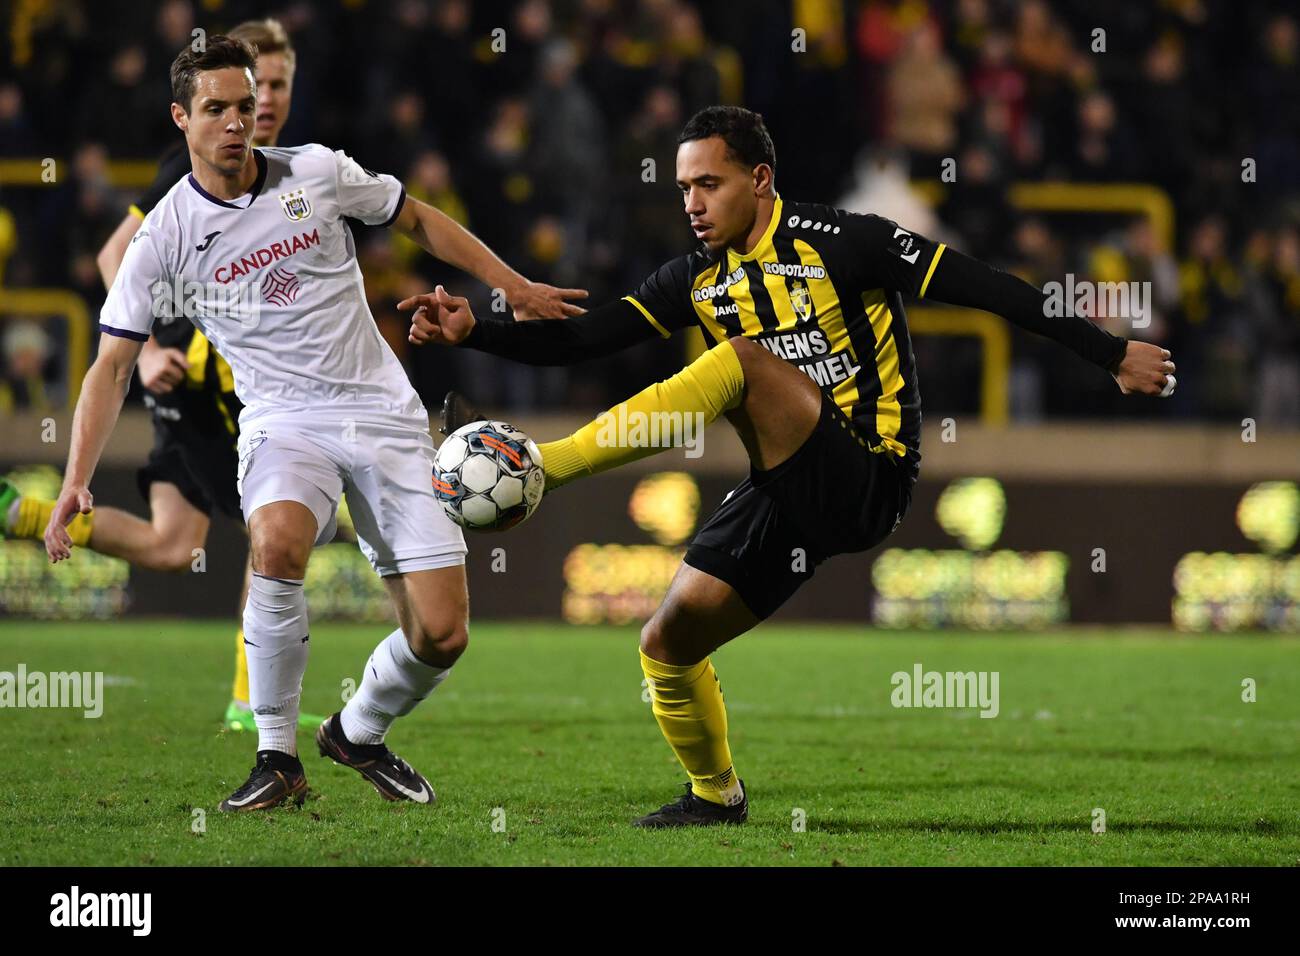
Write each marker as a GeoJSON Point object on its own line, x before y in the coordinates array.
{"type": "Point", "coordinates": [709, 386]}
{"type": "Point", "coordinates": [34, 515]}
{"type": "Point", "coordinates": [240, 690]}
{"type": "Point", "coordinates": [687, 703]}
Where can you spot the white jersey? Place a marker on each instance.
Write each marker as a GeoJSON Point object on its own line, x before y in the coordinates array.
{"type": "Point", "coordinates": [272, 280]}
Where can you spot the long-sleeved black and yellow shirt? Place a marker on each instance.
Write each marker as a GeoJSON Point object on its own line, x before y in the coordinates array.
{"type": "Point", "coordinates": [823, 289]}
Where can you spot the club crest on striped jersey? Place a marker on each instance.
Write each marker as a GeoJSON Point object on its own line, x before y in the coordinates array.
{"type": "Point", "coordinates": [800, 301]}
{"type": "Point", "coordinates": [296, 205]}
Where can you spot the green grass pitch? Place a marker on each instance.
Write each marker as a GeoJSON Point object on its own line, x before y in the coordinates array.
{"type": "Point", "coordinates": [547, 723]}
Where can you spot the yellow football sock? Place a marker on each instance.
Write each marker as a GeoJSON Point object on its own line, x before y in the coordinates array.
{"type": "Point", "coordinates": [687, 702]}
{"type": "Point", "coordinates": [240, 691]}
{"type": "Point", "coordinates": [709, 386]}
{"type": "Point", "coordinates": [34, 515]}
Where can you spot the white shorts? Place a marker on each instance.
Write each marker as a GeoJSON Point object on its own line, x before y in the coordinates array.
{"type": "Point", "coordinates": [386, 471]}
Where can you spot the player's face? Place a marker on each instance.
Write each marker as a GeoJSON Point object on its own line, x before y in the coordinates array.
{"type": "Point", "coordinates": [274, 92]}
{"type": "Point", "coordinates": [219, 126]}
{"type": "Point", "coordinates": [720, 194]}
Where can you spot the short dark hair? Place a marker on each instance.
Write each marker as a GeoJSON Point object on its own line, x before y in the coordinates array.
{"type": "Point", "coordinates": [218, 53]}
{"type": "Point", "coordinates": [742, 130]}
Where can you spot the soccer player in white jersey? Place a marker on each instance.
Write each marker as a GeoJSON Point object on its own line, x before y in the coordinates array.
{"type": "Point", "coordinates": [254, 247]}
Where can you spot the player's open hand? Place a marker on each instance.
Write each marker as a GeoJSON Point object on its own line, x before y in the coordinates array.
{"type": "Point", "coordinates": [72, 501]}
{"type": "Point", "coordinates": [536, 300]}
{"type": "Point", "coordinates": [161, 370]}
{"type": "Point", "coordinates": [1147, 370]}
{"type": "Point", "coordinates": [438, 317]}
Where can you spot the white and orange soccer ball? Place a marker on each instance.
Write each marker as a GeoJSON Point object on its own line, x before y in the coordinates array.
{"type": "Point", "coordinates": [488, 476]}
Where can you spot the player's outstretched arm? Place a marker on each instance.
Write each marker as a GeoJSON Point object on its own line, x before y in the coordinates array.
{"type": "Point", "coordinates": [101, 398]}
{"type": "Point", "coordinates": [444, 238]}
{"type": "Point", "coordinates": [445, 319]}
{"type": "Point", "coordinates": [1138, 367]}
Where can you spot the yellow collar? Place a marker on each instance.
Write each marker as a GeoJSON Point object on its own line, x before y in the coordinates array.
{"type": "Point", "coordinates": [764, 242]}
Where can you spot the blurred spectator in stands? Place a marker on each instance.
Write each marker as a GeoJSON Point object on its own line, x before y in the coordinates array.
{"type": "Point", "coordinates": [453, 115]}
{"type": "Point", "coordinates": [26, 375]}
{"type": "Point", "coordinates": [172, 31]}
{"type": "Point", "coordinates": [1274, 103]}
{"type": "Point", "coordinates": [1045, 54]}
{"type": "Point", "coordinates": [1277, 398]}
{"type": "Point", "coordinates": [123, 111]}
{"type": "Point", "coordinates": [969, 34]}
{"type": "Point", "coordinates": [500, 183]}
{"type": "Point", "coordinates": [684, 58]}
{"type": "Point", "coordinates": [1037, 257]}
{"type": "Point", "coordinates": [976, 204]}
{"type": "Point", "coordinates": [925, 93]}
{"type": "Point", "coordinates": [1212, 343]}
{"type": "Point", "coordinates": [998, 89]}
{"type": "Point", "coordinates": [1166, 117]}
{"type": "Point", "coordinates": [1102, 151]}
{"type": "Point", "coordinates": [403, 136]}
{"type": "Point", "coordinates": [653, 208]}
{"type": "Point", "coordinates": [16, 136]}
{"type": "Point", "coordinates": [568, 149]}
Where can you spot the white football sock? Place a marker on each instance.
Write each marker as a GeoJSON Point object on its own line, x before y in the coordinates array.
{"type": "Point", "coordinates": [395, 681]}
{"type": "Point", "coordinates": [275, 643]}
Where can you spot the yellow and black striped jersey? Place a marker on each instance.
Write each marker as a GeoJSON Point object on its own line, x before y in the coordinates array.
{"type": "Point", "coordinates": [823, 289]}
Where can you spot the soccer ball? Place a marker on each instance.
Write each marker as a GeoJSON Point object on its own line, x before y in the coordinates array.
{"type": "Point", "coordinates": [488, 476]}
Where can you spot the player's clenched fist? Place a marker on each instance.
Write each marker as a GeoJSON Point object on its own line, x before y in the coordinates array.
{"type": "Point", "coordinates": [72, 501]}
{"type": "Point", "coordinates": [438, 317]}
{"type": "Point", "coordinates": [1147, 370]}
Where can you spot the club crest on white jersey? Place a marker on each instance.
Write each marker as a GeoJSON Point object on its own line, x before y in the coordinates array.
{"type": "Point", "coordinates": [296, 205]}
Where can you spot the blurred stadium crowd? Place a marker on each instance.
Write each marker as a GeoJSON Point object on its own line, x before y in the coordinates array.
{"type": "Point", "coordinates": [540, 150]}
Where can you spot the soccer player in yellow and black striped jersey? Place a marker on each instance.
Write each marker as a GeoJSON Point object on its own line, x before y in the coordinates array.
{"type": "Point", "coordinates": [812, 363]}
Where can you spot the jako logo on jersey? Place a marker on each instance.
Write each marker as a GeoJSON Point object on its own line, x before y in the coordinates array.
{"type": "Point", "coordinates": [260, 258]}
{"type": "Point", "coordinates": [207, 241]}
{"type": "Point", "coordinates": [296, 205]}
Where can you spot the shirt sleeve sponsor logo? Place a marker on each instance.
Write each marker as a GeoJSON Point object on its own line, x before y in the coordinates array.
{"type": "Point", "coordinates": [905, 246]}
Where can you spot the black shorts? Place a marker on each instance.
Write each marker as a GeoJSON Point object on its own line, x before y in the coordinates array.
{"type": "Point", "coordinates": [830, 497]}
{"type": "Point", "coordinates": [202, 464]}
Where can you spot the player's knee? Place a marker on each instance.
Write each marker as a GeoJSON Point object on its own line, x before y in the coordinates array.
{"type": "Point", "coordinates": [439, 643]}
{"type": "Point", "coordinates": [657, 641]}
{"type": "Point", "coordinates": [748, 351]}
{"type": "Point", "coordinates": [279, 558]}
